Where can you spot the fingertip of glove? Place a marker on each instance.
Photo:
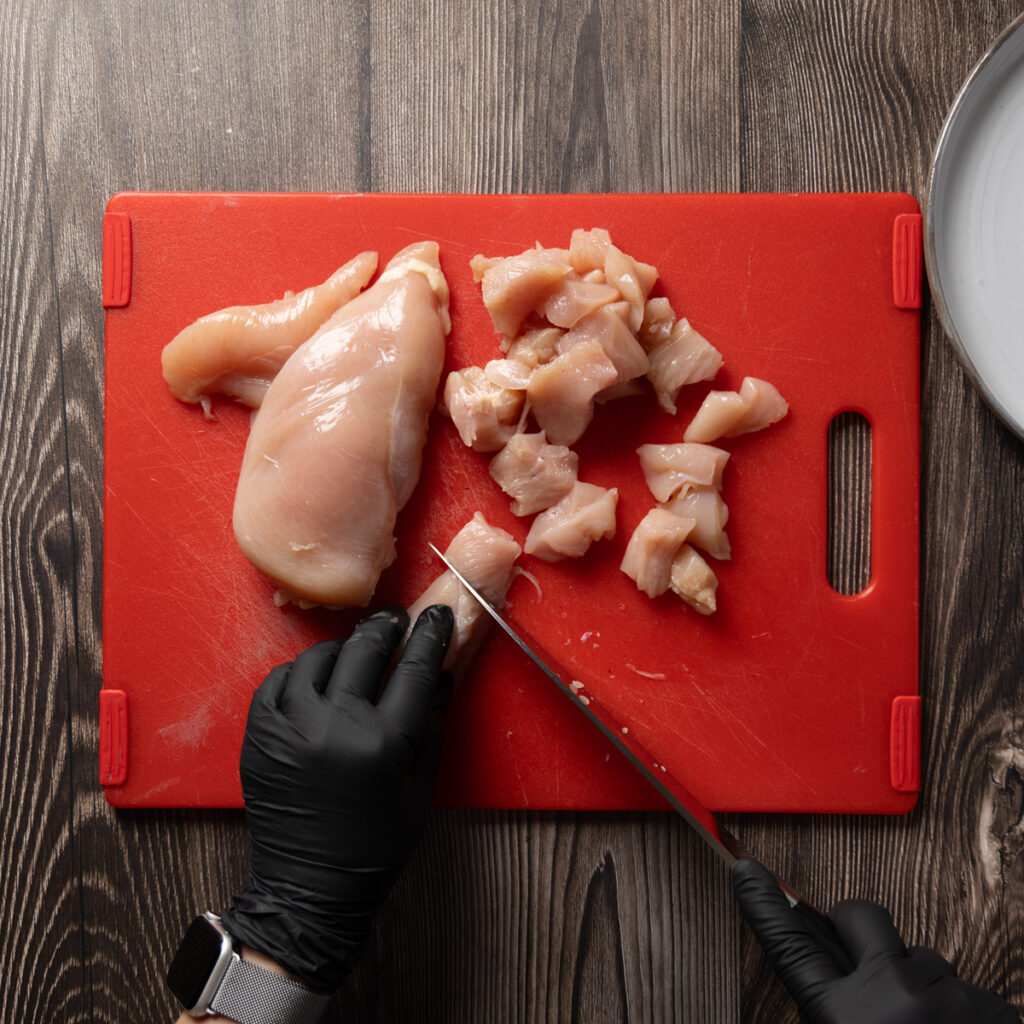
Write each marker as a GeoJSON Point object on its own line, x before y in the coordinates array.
{"type": "Point", "coordinates": [393, 612]}
{"type": "Point", "coordinates": [441, 618]}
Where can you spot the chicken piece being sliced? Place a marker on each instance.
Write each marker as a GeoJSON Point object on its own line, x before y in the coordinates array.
{"type": "Point", "coordinates": [561, 393]}
{"type": "Point", "coordinates": [757, 405]}
{"type": "Point", "coordinates": [515, 286]}
{"type": "Point", "coordinates": [335, 449]}
{"type": "Point", "coordinates": [705, 505]}
{"type": "Point", "coordinates": [672, 469]}
{"type": "Point", "coordinates": [533, 347]}
{"type": "Point", "coordinates": [239, 350]}
{"type": "Point", "coordinates": [486, 556]}
{"type": "Point", "coordinates": [566, 530]}
{"type": "Point", "coordinates": [534, 473]}
{"type": "Point", "coordinates": [684, 358]}
{"type": "Point", "coordinates": [573, 298]}
{"type": "Point", "coordinates": [652, 548]}
{"type": "Point", "coordinates": [608, 327]}
{"type": "Point", "coordinates": [694, 581]}
{"type": "Point", "coordinates": [484, 414]}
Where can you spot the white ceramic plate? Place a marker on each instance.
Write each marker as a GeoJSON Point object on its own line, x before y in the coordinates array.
{"type": "Point", "coordinates": [974, 226]}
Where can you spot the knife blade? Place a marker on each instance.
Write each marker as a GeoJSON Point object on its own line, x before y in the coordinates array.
{"type": "Point", "coordinates": [703, 821]}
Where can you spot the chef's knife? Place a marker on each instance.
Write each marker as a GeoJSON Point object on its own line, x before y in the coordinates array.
{"type": "Point", "coordinates": [675, 793]}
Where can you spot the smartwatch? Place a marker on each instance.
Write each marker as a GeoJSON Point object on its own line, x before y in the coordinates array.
{"type": "Point", "coordinates": [208, 976]}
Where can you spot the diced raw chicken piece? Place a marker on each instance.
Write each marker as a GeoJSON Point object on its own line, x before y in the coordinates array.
{"type": "Point", "coordinates": [686, 357]}
{"type": "Point", "coordinates": [484, 414]}
{"type": "Point", "coordinates": [239, 350]}
{"type": "Point", "coordinates": [561, 393]}
{"type": "Point", "coordinates": [335, 450]}
{"type": "Point", "coordinates": [694, 581]}
{"type": "Point", "coordinates": [587, 249]}
{"type": "Point", "coordinates": [634, 281]}
{"type": "Point", "coordinates": [508, 373]}
{"type": "Point", "coordinates": [534, 473]}
{"type": "Point", "coordinates": [486, 556]}
{"type": "Point", "coordinates": [573, 298]}
{"type": "Point", "coordinates": [657, 323]}
{"type": "Point", "coordinates": [672, 469]}
{"type": "Point", "coordinates": [653, 547]}
{"type": "Point", "coordinates": [515, 286]}
{"type": "Point", "coordinates": [534, 347]}
{"type": "Point", "coordinates": [607, 326]}
{"type": "Point", "coordinates": [705, 505]}
{"type": "Point", "coordinates": [728, 414]}
{"type": "Point", "coordinates": [765, 406]}
{"type": "Point", "coordinates": [566, 530]}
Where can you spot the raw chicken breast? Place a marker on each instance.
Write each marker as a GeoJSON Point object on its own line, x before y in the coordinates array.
{"type": "Point", "coordinates": [486, 556]}
{"type": "Point", "coordinates": [566, 530]}
{"type": "Point", "coordinates": [534, 473]}
{"type": "Point", "coordinates": [694, 581]}
{"type": "Point", "coordinates": [653, 547]}
{"type": "Point", "coordinates": [484, 414]}
{"type": "Point", "coordinates": [607, 326]}
{"type": "Point", "coordinates": [239, 350]}
{"type": "Point", "coordinates": [684, 358]}
{"type": "Point", "coordinates": [561, 393]}
{"type": "Point", "coordinates": [673, 469]}
{"type": "Point", "coordinates": [513, 287]}
{"type": "Point", "coordinates": [335, 450]}
{"type": "Point", "coordinates": [729, 414]}
{"type": "Point", "coordinates": [706, 507]}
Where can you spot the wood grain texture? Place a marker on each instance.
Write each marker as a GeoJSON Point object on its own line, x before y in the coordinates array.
{"type": "Point", "coordinates": [500, 916]}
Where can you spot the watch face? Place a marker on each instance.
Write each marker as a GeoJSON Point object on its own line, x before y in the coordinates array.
{"type": "Point", "coordinates": [199, 953]}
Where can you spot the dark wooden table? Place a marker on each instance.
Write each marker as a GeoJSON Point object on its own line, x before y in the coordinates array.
{"type": "Point", "coordinates": [500, 916]}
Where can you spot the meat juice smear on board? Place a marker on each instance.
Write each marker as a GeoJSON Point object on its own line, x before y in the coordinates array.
{"type": "Point", "coordinates": [578, 327]}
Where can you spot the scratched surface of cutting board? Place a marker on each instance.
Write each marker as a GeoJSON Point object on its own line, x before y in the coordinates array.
{"type": "Point", "coordinates": [790, 698]}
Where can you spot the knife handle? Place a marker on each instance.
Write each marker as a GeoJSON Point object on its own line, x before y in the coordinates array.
{"type": "Point", "coordinates": [823, 931]}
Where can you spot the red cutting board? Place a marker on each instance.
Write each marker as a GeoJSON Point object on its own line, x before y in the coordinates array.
{"type": "Point", "coordinates": [790, 698]}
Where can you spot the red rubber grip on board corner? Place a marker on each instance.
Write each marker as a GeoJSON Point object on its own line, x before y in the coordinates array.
{"type": "Point", "coordinates": [113, 737]}
{"type": "Point", "coordinates": [117, 259]}
{"type": "Point", "coordinates": [905, 744]}
{"type": "Point", "coordinates": [907, 260]}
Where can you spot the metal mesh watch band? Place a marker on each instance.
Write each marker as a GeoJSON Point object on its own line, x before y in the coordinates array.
{"type": "Point", "coordinates": [251, 995]}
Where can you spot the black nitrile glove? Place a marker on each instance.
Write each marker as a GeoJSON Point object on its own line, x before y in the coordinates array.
{"type": "Point", "coordinates": [337, 786]}
{"type": "Point", "coordinates": [889, 984]}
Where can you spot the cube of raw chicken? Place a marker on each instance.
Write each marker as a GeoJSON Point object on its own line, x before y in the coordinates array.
{"type": "Point", "coordinates": [608, 327]}
{"type": "Point", "coordinates": [335, 449]}
{"type": "Point", "coordinates": [484, 414]}
{"type": "Point", "coordinates": [515, 286]}
{"type": "Point", "coordinates": [671, 469]}
{"type": "Point", "coordinates": [534, 473]}
{"type": "Point", "coordinates": [573, 298]}
{"type": "Point", "coordinates": [239, 350]}
{"type": "Point", "coordinates": [533, 347]}
{"type": "Point", "coordinates": [566, 530]}
{"type": "Point", "coordinates": [486, 556]}
{"type": "Point", "coordinates": [594, 250]}
{"type": "Point", "coordinates": [694, 581]}
{"type": "Point", "coordinates": [706, 507]}
{"type": "Point", "coordinates": [757, 405]}
{"type": "Point", "coordinates": [561, 393]}
{"type": "Point", "coordinates": [508, 373]}
{"type": "Point", "coordinates": [653, 547]}
{"type": "Point", "coordinates": [685, 357]}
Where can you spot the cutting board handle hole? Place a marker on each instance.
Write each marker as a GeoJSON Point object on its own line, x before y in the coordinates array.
{"type": "Point", "coordinates": [848, 558]}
